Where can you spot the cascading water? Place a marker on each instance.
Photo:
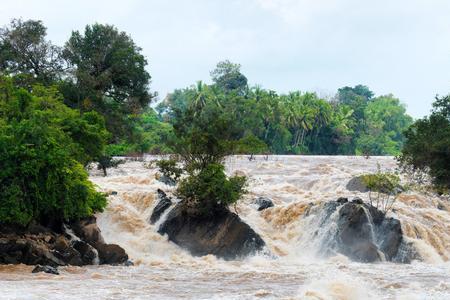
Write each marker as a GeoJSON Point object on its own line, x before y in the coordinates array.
{"type": "Point", "coordinates": [298, 232]}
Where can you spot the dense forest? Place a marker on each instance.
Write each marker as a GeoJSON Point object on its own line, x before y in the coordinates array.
{"type": "Point", "coordinates": [352, 122]}
{"type": "Point", "coordinates": [64, 107]}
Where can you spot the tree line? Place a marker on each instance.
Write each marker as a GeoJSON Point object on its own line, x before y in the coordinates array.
{"type": "Point", "coordinates": [64, 107]}
{"type": "Point", "coordinates": [352, 122]}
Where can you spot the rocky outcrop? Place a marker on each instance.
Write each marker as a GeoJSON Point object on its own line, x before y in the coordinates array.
{"type": "Point", "coordinates": [356, 184]}
{"type": "Point", "coordinates": [224, 234]}
{"type": "Point", "coordinates": [163, 204]}
{"type": "Point", "coordinates": [89, 232]}
{"type": "Point", "coordinates": [166, 180]}
{"type": "Point", "coordinates": [78, 243]}
{"type": "Point", "coordinates": [263, 203]}
{"type": "Point", "coordinates": [363, 233]}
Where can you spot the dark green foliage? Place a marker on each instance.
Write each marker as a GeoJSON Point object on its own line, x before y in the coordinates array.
{"type": "Point", "coordinates": [42, 150]}
{"type": "Point", "coordinates": [109, 76]}
{"type": "Point", "coordinates": [228, 77]}
{"type": "Point", "coordinates": [298, 123]}
{"type": "Point", "coordinates": [205, 133]}
{"type": "Point", "coordinates": [210, 190]}
{"type": "Point", "coordinates": [250, 144]}
{"type": "Point", "coordinates": [170, 168]}
{"type": "Point", "coordinates": [24, 51]}
{"type": "Point", "coordinates": [427, 145]}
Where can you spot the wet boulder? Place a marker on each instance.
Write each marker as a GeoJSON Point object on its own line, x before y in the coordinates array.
{"type": "Point", "coordinates": [356, 184]}
{"type": "Point", "coordinates": [263, 203]}
{"type": "Point", "coordinates": [364, 233]}
{"type": "Point", "coordinates": [163, 204]}
{"type": "Point", "coordinates": [111, 254]}
{"type": "Point", "coordinates": [87, 230]}
{"type": "Point", "coordinates": [88, 254]}
{"type": "Point", "coordinates": [222, 234]}
{"type": "Point", "coordinates": [77, 243]}
{"type": "Point", "coordinates": [167, 180]}
{"type": "Point", "coordinates": [89, 233]}
{"type": "Point", "coordinates": [389, 236]}
{"type": "Point", "coordinates": [45, 269]}
{"type": "Point", "coordinates": [355, 236]}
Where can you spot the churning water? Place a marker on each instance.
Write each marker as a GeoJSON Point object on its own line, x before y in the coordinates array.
{"type": "Point", "coordinates": [297, 268]}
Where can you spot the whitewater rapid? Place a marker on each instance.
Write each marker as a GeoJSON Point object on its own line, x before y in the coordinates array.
{"type": "Point", "coordinates": [295, 270]}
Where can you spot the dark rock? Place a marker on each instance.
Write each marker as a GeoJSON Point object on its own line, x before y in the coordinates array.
{"type": "Point", "coordinates": [40, 245]}
{"type": "Point", "coordinates": [163, 204]}
{"type": "Point", "coordinates": [111, 254]}
{"type": "Point", "coordinates": [355, 234]}
{"type": "Point", "coordinates": [70, 256]}
{"type": "Point", "coordinates": [167, 180]}
{"type": "Point", "coordinates": [389, 236]}
{"type": "Point", "coordinates": [357, 200]}
{"type": "Point", "coordinates": [342, 200]}
{"type": "Point", "coordinates": [45, 269]}
{"type": "Point", "coordinates": [15, 250]}
{"type": "Point", "coordinates": [263, 203]}
{"type": "Point", "coordinates": [356, 184]}
{"type": "Point", "coordinates": [87, 230]}
{"type": "Point", "coordinates": [87, 253]}
{"type": "Point", "coordinates": [363, 231]}
{"type": "Point", "coordinates": [224, 234]}
{"type": "Point", "coordinates": [114, 193]}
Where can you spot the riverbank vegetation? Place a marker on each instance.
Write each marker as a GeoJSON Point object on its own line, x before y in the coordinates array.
{"type": "Point", "coordinates": [427, 146]}
{"type": "Point", "coordinates": [63, 107]}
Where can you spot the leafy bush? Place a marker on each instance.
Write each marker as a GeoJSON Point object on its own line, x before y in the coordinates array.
{"type": "Point", "coordinates": [383, 189]}
{"type": "Point", "coordinates": [43, 147]}
{"type": "Point", "coordinates": [427, 146]}
{"type": "Point", "coordinates": [119, 149]}
{"type": "Point", "coordinates": [169, 168]}
{"type": "Point", "coordinates": [39, 177]}
{"type": "Point", "coordinates": [210, 190]}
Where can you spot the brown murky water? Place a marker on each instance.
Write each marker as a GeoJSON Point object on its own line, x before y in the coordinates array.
{"type": "Point", "coordinates": [164, 271]}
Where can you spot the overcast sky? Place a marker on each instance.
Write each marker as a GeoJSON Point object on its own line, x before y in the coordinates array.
{"type": "Point", "coordinates": [392, 46]}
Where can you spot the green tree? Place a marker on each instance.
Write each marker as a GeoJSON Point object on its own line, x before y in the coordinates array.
{"type": "Point", "coordinates": [109, 76]}
{"type": "Point", "coordinates": [427, 145]}
{"type": "Point", "coordinates": [42, 151]}
{"type": "Point", "coordinates": [228, 77]}
{"type": "Point", "coordinates": [25, 51]}
{"type": "Point", "coordinates": [386, 120]}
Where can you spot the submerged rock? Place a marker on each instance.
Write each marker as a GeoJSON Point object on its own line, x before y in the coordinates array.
{"type": "Point", "coordinates": [163, 204]}
{"type": "Point", "coordinates": [263, 203]}
{"type": "Point", "coordinates": [45, 269]}
{"type": "Point", "coordinates": [224, 234]}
